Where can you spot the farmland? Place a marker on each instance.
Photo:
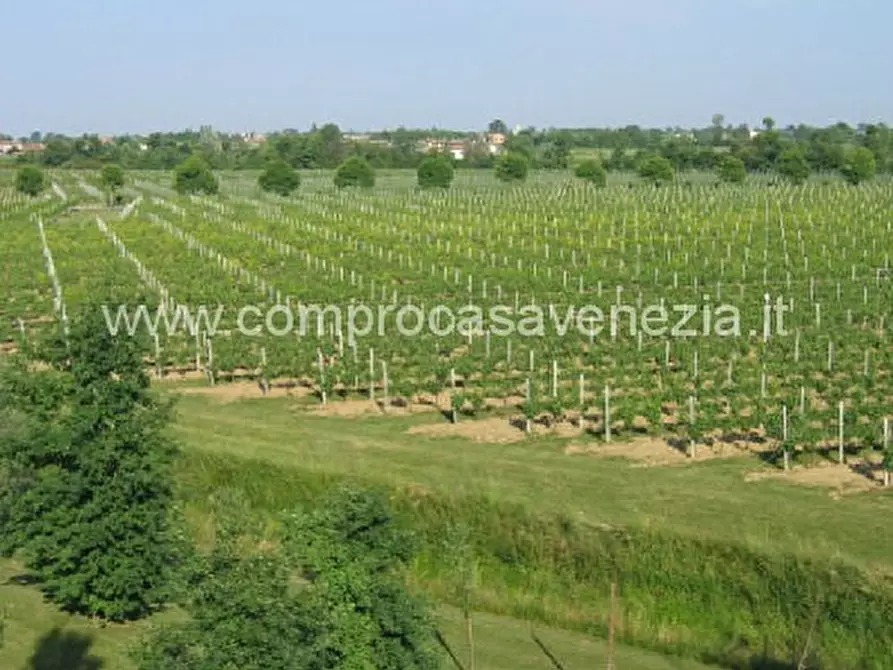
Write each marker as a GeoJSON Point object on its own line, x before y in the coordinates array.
{"type": "Point", "coordinates": [553, 248]}
{"type": "Point", "coordinates": [729, 412]}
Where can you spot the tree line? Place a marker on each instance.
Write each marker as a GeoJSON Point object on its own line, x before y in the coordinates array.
{"type": "Point", "coordinates": [326, 147]}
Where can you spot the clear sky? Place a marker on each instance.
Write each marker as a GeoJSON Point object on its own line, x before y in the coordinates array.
{"type": "Point", "coordinates": [116, 66]}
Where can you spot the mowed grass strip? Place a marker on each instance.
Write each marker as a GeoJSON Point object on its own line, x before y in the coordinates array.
{"type": "Point", "coordinates": [707, 500]}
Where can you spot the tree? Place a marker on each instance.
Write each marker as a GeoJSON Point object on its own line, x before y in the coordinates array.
{"type": "Point", "coordinates": [523, 144]}
{"type": "Point", "coordinates": [717, 135]}
{"type": "Point", "coordinates": [731, 169]}
{"type": "Point", "coordinates": [436, 171]}
{"type": "Point", "coordinates": [792, 165]}
{"type": "Point", "coordinates": [656, 169]}
{"type": "Point", "coordinates": [859, 165]}
{"type": "Point", "coordinates": [497, 126]}
{"type": "Point", "coordinates": [592, 171]}
{"type": "Point", "coordinates": [511, 166]}
{"type": "Point", "coordinates": [113, 178]}
{"type": "Point", "coordinates": [355, 171]}
{"type": "Point", "coordinates": [87, 462]}
{"type": "Point", "coordinates": [280, 178]}
{"type": "Point", "coordinates": [194, 176]}
{"type": "Point", "coordinates": [329, 595]}
{"type": "Point", "coordinates": [556, 154]}
{"type": "Point", "coordinates": [768, 123]}
{"type": "Point", "coordinates": [30, 180]}
{"type": "Point", "coordinates": [328, 144]}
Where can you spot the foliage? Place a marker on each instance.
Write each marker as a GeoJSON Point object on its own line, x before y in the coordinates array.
{"type": "Point", "coordinates": [113, 176]}
{"type": "Point", "coordinates": [497, 126]}
{"type": "Point", "coordinates": [731, 169]}
{"type": "Point", "coordinates": [88, 497]}
{"type": "Point", "coordinates": [555, 154]}
{"type": "Point", "coordinates": [30, 180]}
{"type": "Point", "coordinates": [329, 595]}
{"type": "Point", "coordinates": [194, 176]}
{"type": "Point", "coordinates": [511, 167]}
{"type": "Point", "coordinates": [793, 166]}
{"type": "Point", "coordinates": [280, 178]}
{"type": "Point", "coordinates": [355, 171]}
{"type": "Point", "coordinates": [656, 170]}
{"type": "Point", "coordinates": [592, 171]}
{"type": "Point", "coordinates": [859, 165]}
{"type": "Point", "coordinates": [436, 172]}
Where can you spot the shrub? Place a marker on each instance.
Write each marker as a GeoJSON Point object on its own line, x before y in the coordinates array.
{"type": "Point", "coordinates": [792, 164]}
{"type": "Point", "coordinates": [592, 171]}
{"type": "Point", "coordinates": [657, 170]}
{"type": "Point", "coordinates": [731, 170]}
{"type": "Point", "coordinates": [355, 171]}
{"type": "Point", "coordinates": [859, 165]}
{"type": "Point", "coordinates": [30, 180]}
{"type": "Point", "coordinates": [436, 171]}
{"type": "Point", "coordinates": [280, 178]}
{"type": "Point", "coordinates": [512, 167]}
{"type": "Point", "coordinates": [194, 175]}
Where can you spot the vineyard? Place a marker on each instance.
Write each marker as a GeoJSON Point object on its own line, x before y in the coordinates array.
{"type": "Point", "coordinates": [549, 247]}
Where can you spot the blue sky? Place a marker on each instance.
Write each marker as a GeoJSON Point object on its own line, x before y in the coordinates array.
{"type": "Point", "coordinates": [115, 66]}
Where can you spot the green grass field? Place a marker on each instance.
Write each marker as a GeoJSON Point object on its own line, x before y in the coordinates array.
{"type": "Point", "coordinates": [39, 637]}
{"type": "Point", "coordinates": [702, 499]}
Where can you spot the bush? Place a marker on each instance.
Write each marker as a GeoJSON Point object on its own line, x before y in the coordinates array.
{"type": "Point", "coordinates": [859, 165]}
{"type": "Point", "coordinates": [731, 170]}
{"type": "Point", "coordinates": [792, 165]}
{"type": "Point", "coordinates": [657, 170]}
{"type": "Point", "coordinates": [30, 180]}
{"type": "Point", "coordinates": [592, 171]}
{"type": "Point", "coordinates": [355, 171]}
{"type": "Point", "coordinates": [512, 167]}
{"type": "Point", "coordinates": [113, 176]}
{"type": "Point", "coordinates": [436, 171]}
{"type": "Point", "coordinates": [331, 594]}
{"type": "Point", "coordinates": [280, 178]}
{"type": "Point", "coordinates": [194, 175]}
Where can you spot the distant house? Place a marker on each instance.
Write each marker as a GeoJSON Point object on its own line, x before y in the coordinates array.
{"type": "Point", "coordinates": [254, 138]}
{"type": "Point", "coordinates": [495, 142]}
{"type": "Point", "coordinates": [106, 139]}
{"type": "Point", "coordinates": [456, 148]}
{"type": "Point", "coordinates": [16, 147]}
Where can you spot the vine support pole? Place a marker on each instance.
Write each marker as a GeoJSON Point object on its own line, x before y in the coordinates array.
{"type": "Point", "coordinates": [840, 454]}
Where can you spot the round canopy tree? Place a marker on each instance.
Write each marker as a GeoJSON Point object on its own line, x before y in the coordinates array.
{"type": "Point", "coordinates": [657, 170]}
{"type": "Point", "coordinates": [793, 165]}
{"type": "Point", "coordinates": [592, 171]}
{"type": "Point", "coordinates": [113, 178]}
{"type": "Point", "coordinates": [436, 171]}
{"type": "Point", "coordinates": [194, 176]}
{"type": "Point", "coordinates": [512, 166]}
{"type": "Point", "coordinates": [731, 169]}
{"type": "Point", "coordinates": [30, 180]}
{"type": "Point", "coordinates": [355, 171]}
{"type": "Point", "coordinates": [859, 165]}
{"type": "Point", "coordinates": [280, 178]}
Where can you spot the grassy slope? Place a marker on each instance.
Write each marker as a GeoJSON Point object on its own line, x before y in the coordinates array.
{"type": "Point", "coordinates": [501, 644]}
{"type": "Point", "coordinates": [707, 499]}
